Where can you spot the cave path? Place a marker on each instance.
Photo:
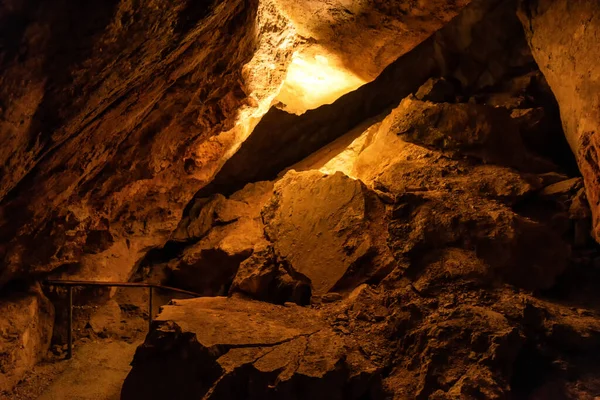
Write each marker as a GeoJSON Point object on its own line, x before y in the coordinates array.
{"type": "Point", "coordinates": [96, 372]}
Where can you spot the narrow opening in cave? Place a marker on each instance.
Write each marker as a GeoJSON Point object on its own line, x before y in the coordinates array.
{"type": "Point", "coordinates": [273, 199]}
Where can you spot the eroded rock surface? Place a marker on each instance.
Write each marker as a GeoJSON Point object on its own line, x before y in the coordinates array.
{"type": "Point", "coordinates": [327, 228]}
{"type": "Point", "coordinates": [113, 115]}
{"type": "Point", "coordinates": [226, 231]}
{"type": "Point", "coordinates": [107, 110]}
{"type": "Point", "coordinates": [234, 348]}
{"type": "Point", "coordinates": [25, 332]}
{"type": "Point", "coordinates": [563, 37]}
{"type": "Point", "coordinates": [439, 242]}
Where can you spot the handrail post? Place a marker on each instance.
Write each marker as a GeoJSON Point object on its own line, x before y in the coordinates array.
{"type": "Point", "coordinates": [69, 284]}
{"type": "Point", "coordinates": [70, 324]}
{"type": "Point", "coordinates": [150, 290]}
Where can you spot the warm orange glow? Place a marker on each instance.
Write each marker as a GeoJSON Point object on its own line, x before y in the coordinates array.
{"type": "Point", "coordinates": [315, 79]}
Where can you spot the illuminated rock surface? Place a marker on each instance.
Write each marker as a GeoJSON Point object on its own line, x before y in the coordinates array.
{"type": "Point", "coordinates": [384, 192]}
{"type": "Point", "coordinates": [563, 39]}
{"type": "Point", "coordinates": [113, 114]}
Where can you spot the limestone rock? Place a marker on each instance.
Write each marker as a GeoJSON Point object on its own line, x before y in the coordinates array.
{"type": "Point", "coordinates": [562, 36]}
{"type": "Point", "coordinates": [230, 231]}
{"type": "Point", "coordinates": [327, 228]}
{"type": "Point", "coordinates": [432, 220]}
{"type": "Point", "coordinates": [25, 333]}
{"type": "Point", "coordinates": [104, 110]}
{"type": "Point", "coordinates": [562, 188]}
{"type": "Point", "coordinates": [121, 111]}
{"type": "Point", "coordinates": [218, 348]}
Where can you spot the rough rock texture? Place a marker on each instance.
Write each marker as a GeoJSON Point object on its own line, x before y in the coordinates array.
{"type": "Point", "coordinates": [349, 43]}
{"type": "Point", "coordinates": [328, 229]}
{"type": "Point", "coordinates": [563, 36]}
{"type": "Point", "coordinates": [25, 332]}
{"type": "Point", "coordinates": [267, 277]}
{"type": "Point", "coordinates": [378, 31]}
{"type": "Point", "coordinates": [439, 242]}
{"type": "Point", "coordinates": [478, 48]}
{"type": "Point", "coordinates": [486, 256]}
{"type": "Point", "coordinates": [485, 132]}
{"type": "Point", "coordinates": [225, 232]}
{"type": "Point", "coordinates": [234, 349]}
{"type": "Point", "coordinates": [104, 108]}
{"type": "Point", "coordinates": [440, 199]}
{"type": "Point", "coordinates": [114, 114]}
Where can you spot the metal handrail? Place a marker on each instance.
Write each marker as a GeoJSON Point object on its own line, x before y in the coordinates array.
{"type": "Point", "coordinates": [69, 284]}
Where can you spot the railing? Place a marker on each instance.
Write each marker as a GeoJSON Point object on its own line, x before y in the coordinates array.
{"type": "Point", "coordinates": [70, 284]}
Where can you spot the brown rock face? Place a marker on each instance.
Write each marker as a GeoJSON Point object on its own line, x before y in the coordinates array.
{"type": "Point", "coordinates": [431, 248]}
{"type": "Point", "coordinates": [563, 37]}
{"type": "Point", "coordinates": [102, 121]}
{"type": "Point", "coordinates": [476, 49]}
{"type": "Point", "coordinates": [223, 232]}
{"type": "Point", "coordinates": [327, 228]}
{"type": "Point", "coordinates": [240, 349]}
{"type": "Point", "coordinates": [114, 114]}
{"type": "Point", "coordinates": [25, 332]}
{"type": "Point", "coordinates": [348, 28]}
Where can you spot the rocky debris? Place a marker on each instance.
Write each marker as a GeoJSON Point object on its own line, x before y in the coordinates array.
{"type": "Point", "coordinates": [562, 188]}
{"type": "Point", "coordinates": [424, 222]}
{"type": "Point", "coordinates": [226, 232]}
{"type": "Point", "coordinates": [571, 209]}
{"type": "Point", "coordinates": [206, 213]}
{"type": "Point", "coordinates": [233, 348]}
{"type": "Point", "coordinates": [562, 38]}
{"type": "Point", "coordinates": [25, 333]}
{"type": "Point", "coordinates": [328, 229]}
{"type": "Point", "coordinates": [104, 126]}
{"type": "Point", "coordinates": [264, 277]}
{"type": "Point", "coordinates": [446, 336]}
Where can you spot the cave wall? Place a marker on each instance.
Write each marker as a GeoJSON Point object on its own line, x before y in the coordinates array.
{"type": "Point", "coordinates": [114, 114]}
{"type": "Point", "coordinates": [101, 107]}
{"type": "Point", "coordinates": [478, 48]}
{"type": "Point", "coordinates": [110, 134]}
{"type": "Point", "coordinates": [563, 36]}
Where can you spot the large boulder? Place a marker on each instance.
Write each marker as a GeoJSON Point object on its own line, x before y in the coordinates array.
{"type": "Point", "coordinates": [25, 333]}
{"type": "Point", "coordinates": [328, 228]}
{"type": "Point", "coordinates": [563, 38]}
{"type": "Point", "coordinates": [228, 348]}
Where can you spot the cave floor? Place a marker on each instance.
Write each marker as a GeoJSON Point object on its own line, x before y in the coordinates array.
{"type": "Point", "coordinates": [96, 372]}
